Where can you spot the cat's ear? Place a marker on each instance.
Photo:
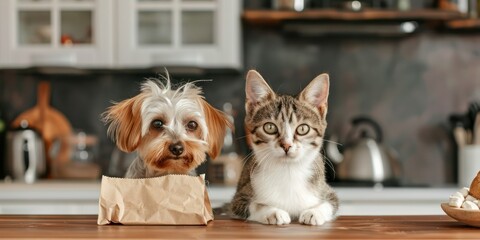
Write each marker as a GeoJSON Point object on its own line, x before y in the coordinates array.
{"type": "Point", "coordinates": [257, 89]}
{"type": "Point", "coordinates": [316, 93]}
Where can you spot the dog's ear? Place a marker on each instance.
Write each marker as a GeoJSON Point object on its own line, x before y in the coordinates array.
{"type": "Point", "coordinates": [125, 123]}
{"type": "Point", "coordinates": [217, 123]}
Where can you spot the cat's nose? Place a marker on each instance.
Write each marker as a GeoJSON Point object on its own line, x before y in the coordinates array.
{"type": "Point", "coordinates": [176, 148]}
{"type": "Point", "coordinates": [286, 147]}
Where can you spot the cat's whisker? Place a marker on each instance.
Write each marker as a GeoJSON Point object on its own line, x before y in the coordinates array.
{"type": "Point", "coordinates": [264, 162]}
{"type": "Point", "coordinates": [255, 165]}
{"type": "Point", "coordinates": [330, 141]}
{"type": "Point", "coordinates": [246, 158]}
{"type": "Point", "coordinates": [242, 137]}
{"type": "Point", "coordinates": [267, 164]}
{"type": "Point", "coordinates": [329, 164]}
{"type": "Point", "coordinates": [261, 160]}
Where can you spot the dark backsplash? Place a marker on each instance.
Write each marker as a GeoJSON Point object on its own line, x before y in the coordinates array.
{"type": "Point", "coordinates": [409, 85]}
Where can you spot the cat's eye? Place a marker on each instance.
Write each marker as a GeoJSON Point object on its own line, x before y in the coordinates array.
{"type": "Point", "coordinates": [270, 128]}
{"type": "Point", "coordinates": [157, 123]}
{"type": "Point", "coordinates": [303, 129]}
{"type": "Point", "coordinates": [192, 126]}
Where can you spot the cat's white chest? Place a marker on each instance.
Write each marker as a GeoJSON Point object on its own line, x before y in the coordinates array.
{"type": "Point", "coordinates": [286, 187]}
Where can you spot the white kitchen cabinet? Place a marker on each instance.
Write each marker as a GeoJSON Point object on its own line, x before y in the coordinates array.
{"type": "Point", "coordinates": [75, 33]}
{"type": "Point", "coordinates": [49, 197]}
{"type": "Point", "coordinates": [54, 197]}
{"type": "Point", "coordinates": [192, 33]}
{"type": "Point", "coordinates": [370, 201]}
{"type": "Point", "coordinates": [120, 34]}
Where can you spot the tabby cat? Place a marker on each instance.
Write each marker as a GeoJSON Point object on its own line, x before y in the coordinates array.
{"type": "Point", "coordinates": [284, 177]}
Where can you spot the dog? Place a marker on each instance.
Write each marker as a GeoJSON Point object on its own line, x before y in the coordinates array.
{"type": "Point", "coordinates": [172, 130]}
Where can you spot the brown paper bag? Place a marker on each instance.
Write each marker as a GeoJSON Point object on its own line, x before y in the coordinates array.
{"type": "Point", "coordinates": [166, 200]}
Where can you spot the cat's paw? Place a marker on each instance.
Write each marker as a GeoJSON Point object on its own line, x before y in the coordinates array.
{"type": "Point", "coordinates": [318, 215]}
{"type": "Point", "coordinates": [312, 217]}
{"type": "Point", "coordinates": [274, 217]}
{"type": "Point", "coordinates": [278, 217]}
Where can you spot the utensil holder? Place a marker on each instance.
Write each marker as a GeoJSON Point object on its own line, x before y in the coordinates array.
{"type": "Point", "coordinates": [468, 164]}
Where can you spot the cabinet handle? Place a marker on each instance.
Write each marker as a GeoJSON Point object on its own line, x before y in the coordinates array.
{"type": "Point", "coordinates": [59, 59]}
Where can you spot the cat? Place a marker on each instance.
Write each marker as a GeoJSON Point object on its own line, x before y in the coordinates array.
{"type": "Point", "coordinates": [284, 177]}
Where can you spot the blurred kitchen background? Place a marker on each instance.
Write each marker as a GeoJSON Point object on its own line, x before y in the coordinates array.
{"type": "Point", "coordinates": [412, 66]}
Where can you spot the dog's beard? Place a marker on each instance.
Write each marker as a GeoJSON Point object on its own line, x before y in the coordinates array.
{"type": "Point", "coordinates": [157, 157]}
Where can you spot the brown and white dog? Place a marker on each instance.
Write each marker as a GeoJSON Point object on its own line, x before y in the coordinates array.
{"type": "Point", "coordinates": [172, 130]}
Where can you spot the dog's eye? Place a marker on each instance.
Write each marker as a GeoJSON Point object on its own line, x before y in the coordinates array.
{"type": "Point", "coordinates": [192, 125]}
{"type": "Point", "coordinates": [157, 124]}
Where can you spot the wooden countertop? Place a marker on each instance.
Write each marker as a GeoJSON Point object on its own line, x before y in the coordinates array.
{"type": "Point", "coordinates": [345, 227]}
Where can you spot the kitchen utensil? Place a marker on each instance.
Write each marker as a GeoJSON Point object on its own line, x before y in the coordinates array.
{"type": "Point", "coordinates": [476, 130]}
{"type": "Point", "coordinates": [50, 123]}
{"type": "Point", "coordinates": [468, 164]}
{"type": "Point", "coordinates": [83, 146]}
{"type": "Point", "coordinates": [353, 5]}
{"type": "Point", "coordinates": [459, 123]}
{"type": "Point", "coordinates": [83, 153]}
{"type": "Point", "coordinates": [297, 5]}
{"type": "Point", "coordinates": [365, 158]}
{"type": "Point", "coordinates": [460, 136]}
{"type": "Point", "coordinates": [473, 109]}
{"type": "Point", "coordinates": [25, 154]}
{"type": "Point", "coordinates": [469, 217]}
{"type": "Point", "coordinates": [469, 137]}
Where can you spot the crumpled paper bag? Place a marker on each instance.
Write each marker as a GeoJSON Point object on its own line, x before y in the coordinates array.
{"type": "Point", "coordinates": [166, 200]}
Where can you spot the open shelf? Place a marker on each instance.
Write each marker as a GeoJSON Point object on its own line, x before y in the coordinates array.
{"type": "Point", "coordinates": [270, 17]}
{"type": "Point", "coordinates": [463, 24]}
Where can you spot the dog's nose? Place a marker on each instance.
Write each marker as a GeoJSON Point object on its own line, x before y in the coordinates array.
{"type": "Point", "coordinates": [176, 148]}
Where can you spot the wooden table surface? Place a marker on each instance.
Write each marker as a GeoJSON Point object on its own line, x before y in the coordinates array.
{"type": "Point", "coordinates": [345, 227]}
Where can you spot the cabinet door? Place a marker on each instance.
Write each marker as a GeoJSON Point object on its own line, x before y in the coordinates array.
{"type": "Point", "coordinates": [193, 33]}
{"type": "Point", "coordinates": [75, 33]}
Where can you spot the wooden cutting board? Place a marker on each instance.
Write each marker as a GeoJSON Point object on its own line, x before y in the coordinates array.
{"type": "Point", "coordinates": [52, 125]}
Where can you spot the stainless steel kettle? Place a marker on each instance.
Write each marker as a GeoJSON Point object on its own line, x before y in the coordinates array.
{"type": "Point", "coordinates": [364, 158]}
{"type": "Point", "coordinates": [25, 155]}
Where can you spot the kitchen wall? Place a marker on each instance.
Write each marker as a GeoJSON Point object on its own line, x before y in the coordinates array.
{"type": "Point", "coordinates": [82, 98]}
{"type": "Point", "coordinates": [409, 85]}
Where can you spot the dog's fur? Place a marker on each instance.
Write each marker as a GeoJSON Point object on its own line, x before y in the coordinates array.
{"type": "Point", "coordinates": [161, 118]}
